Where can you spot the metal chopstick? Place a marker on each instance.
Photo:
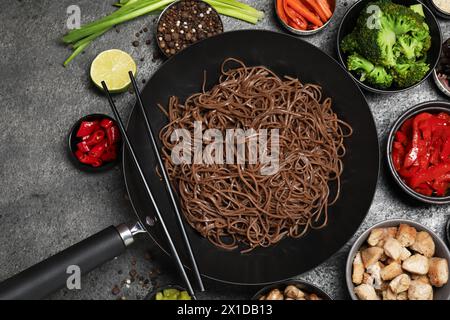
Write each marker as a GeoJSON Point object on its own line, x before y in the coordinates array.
{"type": "Point", "coordinates": [149, 192]}
{"type": "Point", "coordinates": [167, 183]}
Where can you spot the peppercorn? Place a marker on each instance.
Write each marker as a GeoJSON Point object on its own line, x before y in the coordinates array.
{"type": "Point", "coordinates": [185, 23]}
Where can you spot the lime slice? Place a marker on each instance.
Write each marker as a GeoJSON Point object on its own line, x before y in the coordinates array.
{"type": "Point", "coordinates": [112, 66]}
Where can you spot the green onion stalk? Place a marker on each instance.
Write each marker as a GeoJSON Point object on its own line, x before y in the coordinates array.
{"type": "Point", "coordinates": [79, 39]}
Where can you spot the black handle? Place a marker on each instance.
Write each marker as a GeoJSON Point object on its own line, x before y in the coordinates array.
{"type": "Point", "coordinates": [50, 275]}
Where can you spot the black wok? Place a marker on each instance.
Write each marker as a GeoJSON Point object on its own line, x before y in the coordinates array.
{"type": "Point", "coordinates": [181, 76]}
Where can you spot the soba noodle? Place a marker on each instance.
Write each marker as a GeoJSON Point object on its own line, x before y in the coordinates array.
{"type": "Point", "coordinates": [234, 203]}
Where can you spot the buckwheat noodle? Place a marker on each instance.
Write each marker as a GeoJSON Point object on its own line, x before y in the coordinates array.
{"type": "Point", "coordinates": [231, 204]}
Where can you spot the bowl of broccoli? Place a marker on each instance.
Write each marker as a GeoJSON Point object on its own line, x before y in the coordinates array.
{"type": "Point", "coordinates": [389, 46]}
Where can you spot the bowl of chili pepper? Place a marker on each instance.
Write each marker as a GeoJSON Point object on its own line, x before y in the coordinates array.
{"type": "Point", "coordinates": [418, 152]}
{"type": "Point", "coordinates": [304, 17]}
{"type": "Point", "coordinates": [94, 143]}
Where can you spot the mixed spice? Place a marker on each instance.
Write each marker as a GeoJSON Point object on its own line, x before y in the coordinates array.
{"type": "Point", "coordinates": [185, 23]}
{"type": "Point", "coordinates": [443, 68]}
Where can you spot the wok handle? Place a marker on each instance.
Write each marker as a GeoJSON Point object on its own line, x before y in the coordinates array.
{"type": "Point", "coordinates": [55, 272]}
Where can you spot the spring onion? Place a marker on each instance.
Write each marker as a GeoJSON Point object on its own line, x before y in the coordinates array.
{"type": "Point", "coordinates": [128, 10]}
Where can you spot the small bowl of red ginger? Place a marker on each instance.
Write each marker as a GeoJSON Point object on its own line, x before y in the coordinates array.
{"type": "Point", "coordinates": [418, 152]}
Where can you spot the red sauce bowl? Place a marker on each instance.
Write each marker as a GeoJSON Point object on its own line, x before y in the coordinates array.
{"type": "Point", "coordinates": [73, 140]}
{"type": "Point", "coordinates": [433, 107]}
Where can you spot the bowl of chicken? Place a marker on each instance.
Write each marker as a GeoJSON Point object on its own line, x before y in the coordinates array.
{"type": "Point", "coordinates": [398, 259]}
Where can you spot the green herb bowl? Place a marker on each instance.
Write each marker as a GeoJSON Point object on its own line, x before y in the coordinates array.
{"type": "Point", "coordinates": [152, 295]}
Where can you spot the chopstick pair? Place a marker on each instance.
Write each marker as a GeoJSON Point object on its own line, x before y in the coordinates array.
{"type": "Point", "coordinates": [173, 249]}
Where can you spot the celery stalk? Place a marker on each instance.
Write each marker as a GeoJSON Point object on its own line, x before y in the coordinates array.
{"type": "Point", "coordinates": [233, 12]}
{"type": "Point", "coordinates": [245, 7]}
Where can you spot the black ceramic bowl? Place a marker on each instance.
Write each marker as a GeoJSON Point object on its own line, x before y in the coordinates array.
{"type": "Point", "coordinates": [302, 285]}
{"type": "Point", "coordinates": [442, 293]}
{"type": "Point", "coordinates": [348, 23]}
{"type": "Point", "coordinates": [152, 295]}
{"type": "Point", "coordinates": [332, 4]}
{"type": "Point", "coordinates": [73, 140]}
{"type": "Point", "coordinates": [447, 232]}
{"type": "Point", "coordinates": [164, 12]}
{"type": "Point", "coordinates": [437, 11]}
{"type": "Point", "coordinates": [431, 107]}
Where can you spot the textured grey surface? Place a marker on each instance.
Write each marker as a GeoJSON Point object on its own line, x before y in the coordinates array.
{"type": "Point", "coordinates": [46, 204]}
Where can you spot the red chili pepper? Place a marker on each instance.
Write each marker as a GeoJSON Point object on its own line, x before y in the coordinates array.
{"type": "Point", "coordinates": [406, 127]}
{"type": "Point", "coordinates": [440, 187]}
{"type": "Point", "coordinates": [424, 189]}
{"type": "Point", "coordinates": [430, 174]}
{"type": "Point", "coordinates": [86, 128]}
{"type": "Point", "coordinates": [397, 159]}
{"type": "Point", "coordinates": [113, 135]}
{"type": "Point", "coordinates": [106, 123]}
{"type": "Point", "coordinates": [98, 149]}
{"type": "Point", "coordinates": [95, 138]}
{"type": "Point", "coordinates": [86, 159]}
{"type": "Point", "coordinates": [401, 137]}
{"type": "Point", "coordinates": [95, 162]}
{"type": "Point", "coordinates": [398, 155]}
{"type": "Point", "coordinates": [416, 150]}
{"type": "Point", "coordinates": [79, 154]}
{"type": "Point", "coordinates": [445, 154]}
{"type": "Point", "coordinates": [83, 147]}
{"type": "Point", "coordinates": [435, 150]}
{"type": "Point", "coordinates": [444, 116]}
{"type": "Point", "coordinates": [110, 154]}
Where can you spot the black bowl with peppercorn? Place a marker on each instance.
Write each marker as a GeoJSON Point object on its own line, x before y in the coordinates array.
{"type": "Point", "coordinates": [184, 23]}
{"type": "Point", "coordinates": [94, 143]}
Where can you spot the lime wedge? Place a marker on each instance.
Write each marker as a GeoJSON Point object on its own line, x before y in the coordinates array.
{"type": "Point", "coordinates": [112, 66]}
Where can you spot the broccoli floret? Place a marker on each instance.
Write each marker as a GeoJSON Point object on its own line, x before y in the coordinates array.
{"type": "Point", "coordinates": [375, 75]}
{"type": "Point", "coordinates": [417, 8]}
{"type": "Point", "coordinates": [379, 78]}
{"type": "Point", "coordinates": [349, 43]}
{"type": "Point", "coordinates": [394, 22]}
{"type": "Point", "coordinates": [360, 65]}
{"type": "Point", "coordinates": [377, 45]}
{"type": "Point", "coordinates": [375, 35]}
{"type": "Point", "coordinates": [407, 74]}
{"type": "Point", "coordinates": [401, 19]}
{"type": "Point", "coordinates": [409, 46]}
{"type": "Point", "coordinates": [423, 36]}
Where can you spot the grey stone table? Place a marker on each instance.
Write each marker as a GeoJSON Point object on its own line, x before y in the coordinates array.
{"type": "Point", "coordinates": [46, 204]}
